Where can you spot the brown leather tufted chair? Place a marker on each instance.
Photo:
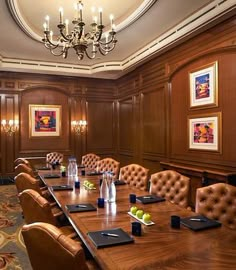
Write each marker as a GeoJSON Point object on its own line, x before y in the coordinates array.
{"type": "Point", "coordinates": [37, 209]}
{"type": "Point", "coordinates": [109, 164]}
{"type": "Point", "coordinates": [22, 161]}
{"type": "Point", "coordinates": [135, 175]}
{"type": "Point", "coordinates": [54, 157]}
{"type": "Point", "coordinates": [171, 185]}
{"type": "Point", "coordinates": [25, 181]}
{"type": "Point", "coordinates": [218, 201]}
{"type": "Point", "coordinates": [90, 161]}
{"type": "Point", "coordinates": [48, 249]}
{"type": "Point", "coordinates": [24, 168]}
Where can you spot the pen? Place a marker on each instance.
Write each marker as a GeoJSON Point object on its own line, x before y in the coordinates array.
{"type": "Point", "coordinates": [147, 197]}
{"type": "Point", "coordinates": [110, 234]}
{"type": "Point", "coordinates": [81, 206]}
{"type": "Point", "coordinates": [197, 219]}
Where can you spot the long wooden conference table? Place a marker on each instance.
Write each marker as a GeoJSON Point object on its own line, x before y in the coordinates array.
{"type": "Point", "coordinates": [159, 246]}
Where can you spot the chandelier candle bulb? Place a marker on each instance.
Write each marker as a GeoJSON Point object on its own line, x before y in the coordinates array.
{"type": "Point", "coordinates": [100, 15]}
{"type": "Point", "coordinates": [111, 19]}
{"type": "Point", "coordinates": [80, 11]}
{"type": "Point", "coordinates": [67, 27]}
{"type": "Point", "coordinates": [47, 23]}
{"type": "Point", "coordinates": [61, 15]}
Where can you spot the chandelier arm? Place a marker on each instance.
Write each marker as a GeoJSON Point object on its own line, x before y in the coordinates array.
{"type": "Point", "coordinates": [104, 49]}
{"type": "Point", "coordinates": [90, 57]}
{"type": "Point", "coordinates": [112, 38]}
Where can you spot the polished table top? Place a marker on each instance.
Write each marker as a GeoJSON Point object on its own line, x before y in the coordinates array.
{"type": "Point", "coordinates": [160, 246]}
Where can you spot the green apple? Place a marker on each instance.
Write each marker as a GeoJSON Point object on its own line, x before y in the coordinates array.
{"type": "Point", "coordinates": [91, 185]}
{"type": "Point", "coordinates": [139, 213]}
{"type": "Point", "coordinates": [133, 209]}
{"type": "Point", "coordinates": [86, 182]}
{"type": "Point", "coordinates": [146, 217]}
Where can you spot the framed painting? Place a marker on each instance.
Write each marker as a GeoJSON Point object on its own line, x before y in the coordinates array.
{"type": "Point", "coordinates": [204, 86]}
{"type": "Point", "coordinates": [44, 120]}
{"type": "Point", "coordinates": [204, 132]}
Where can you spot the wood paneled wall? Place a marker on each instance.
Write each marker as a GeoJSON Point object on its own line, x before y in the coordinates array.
{"type": "Point", "coordinates": [141, 117]}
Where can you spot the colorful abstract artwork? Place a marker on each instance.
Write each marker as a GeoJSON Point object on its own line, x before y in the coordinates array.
{"type": "Point", "coordinates": [44, 120]}
{"type": "Point", "coordinates": [204, 132]}
{"type": "Point", "coordinates": [204, 87]}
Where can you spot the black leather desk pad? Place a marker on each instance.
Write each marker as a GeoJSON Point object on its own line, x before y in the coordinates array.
{"type": "Point", "coordinates": [44, 168]}
{"type": "Point", "coordinates": [94, 173]}
{"type": "Point", "coordinates": [80, 207]}
{"type": "Point", "coordinates": [101, 241]}
{"type": "Point", "coordinates": [149, 198]}
{"type": "Point", "coordinates": [206, 223]}
{"type": "Point", "coordinates": [62, 187]}
{"type": "Point", "coordinates": [119, 182]}
{"type": "Point", "coordinates": [51, 176]}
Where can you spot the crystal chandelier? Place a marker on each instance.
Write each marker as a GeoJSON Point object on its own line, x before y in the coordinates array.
{"type": "Point", "coordinates": [77, 38]}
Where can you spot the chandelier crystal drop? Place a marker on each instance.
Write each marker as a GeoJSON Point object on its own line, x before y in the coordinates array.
{"type": "Point", "coordinates": [77, 38]}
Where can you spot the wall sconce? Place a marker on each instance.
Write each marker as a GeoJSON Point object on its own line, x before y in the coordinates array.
{"type": "Point", "coordinates": [10, 126]}
{"type": "Point", "coordinates": [79, 126]}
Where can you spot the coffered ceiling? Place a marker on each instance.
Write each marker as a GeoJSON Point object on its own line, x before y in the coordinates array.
{"type": "Point", "coordinates": [144, 29]}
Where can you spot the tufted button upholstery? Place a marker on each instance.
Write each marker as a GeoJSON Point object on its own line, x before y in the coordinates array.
{"type": "Point", "coordinates": [135, 175]}
{"type": "Point", "coordinates": [218, 201]}
{"type": "Point", "coordinates": [54, 157]}
{"type": "Point", "coordinates": [171, 185]}
{"type": "Point", "coordinates": [48, 248]}
{"type": "Point", "coordinates": [108, 165]}
{"type": "Point", "coordinates": [90, 161]}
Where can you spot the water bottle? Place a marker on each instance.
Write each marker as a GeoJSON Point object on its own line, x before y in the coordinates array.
{"type": "Point", "coordinates": [70, 167]}
{"type": "Point", "coordinates": [104, 188]}
{"type": "Point", "coordinates": [112, 189]}
{"type": "Point", "coordinates": [74, 171]}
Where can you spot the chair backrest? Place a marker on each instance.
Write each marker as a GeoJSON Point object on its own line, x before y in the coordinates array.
{"type": "Point", "coordinates": [36, 208]}
{"type": "Point", "coordinates": [218, 201]}
{"type": "Point", "coordinates": [90, 161]}
{"type": "Point", "coordinates": [54, 157]}
{"type": "Point", "coordinates": [25, 181]}
{"type": "Point", "coordinates": [22, 161]}
{"type": "Point", "coordinates": [171, 185]}
{"type": "Point", "coordinates": [135, 175]}
{"type": "Point", "coordinates": [24, 168]}
{"type": "Point", "coordinates": [109, 165]}
{"type": "Point", "coordinates": [48, 248]}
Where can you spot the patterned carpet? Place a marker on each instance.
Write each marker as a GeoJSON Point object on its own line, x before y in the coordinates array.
{"type": "Point", "coordinates": [13, 255]}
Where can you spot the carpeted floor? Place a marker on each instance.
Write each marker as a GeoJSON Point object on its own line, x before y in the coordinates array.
{"type": "Point", "coordinates": [13, 255]}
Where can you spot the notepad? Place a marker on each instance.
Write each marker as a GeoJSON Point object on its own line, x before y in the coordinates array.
{"type": "Point", "coordinates": [80, 207]}
{"type": "Point", "coordinates": [101, 239]}
{"type": "Point", "coordinates": [62, 187]}
{"type": "Point", "coordinates": [150, 199]}
{"type": "Point", "coordinates": [197, 223]}
{"type": "Point", "coordinates": [51, 176]}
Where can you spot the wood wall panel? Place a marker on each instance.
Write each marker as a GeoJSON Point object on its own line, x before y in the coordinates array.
{"type": "Point", "coordinates": [154, 122]}
{"type": "Point", "coordinates": [100, 130]}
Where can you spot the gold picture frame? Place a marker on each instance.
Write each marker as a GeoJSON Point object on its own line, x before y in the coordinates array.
{"type": "Point", "coordinates": [204, 86]}
{"type": "Point", "coordinates": [205, 132]}
{"type": "Point", "coordinates": [44, 120]}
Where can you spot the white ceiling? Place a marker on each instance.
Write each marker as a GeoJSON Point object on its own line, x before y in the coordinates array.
{"type": "Point", "coordinates": [144, 29]}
